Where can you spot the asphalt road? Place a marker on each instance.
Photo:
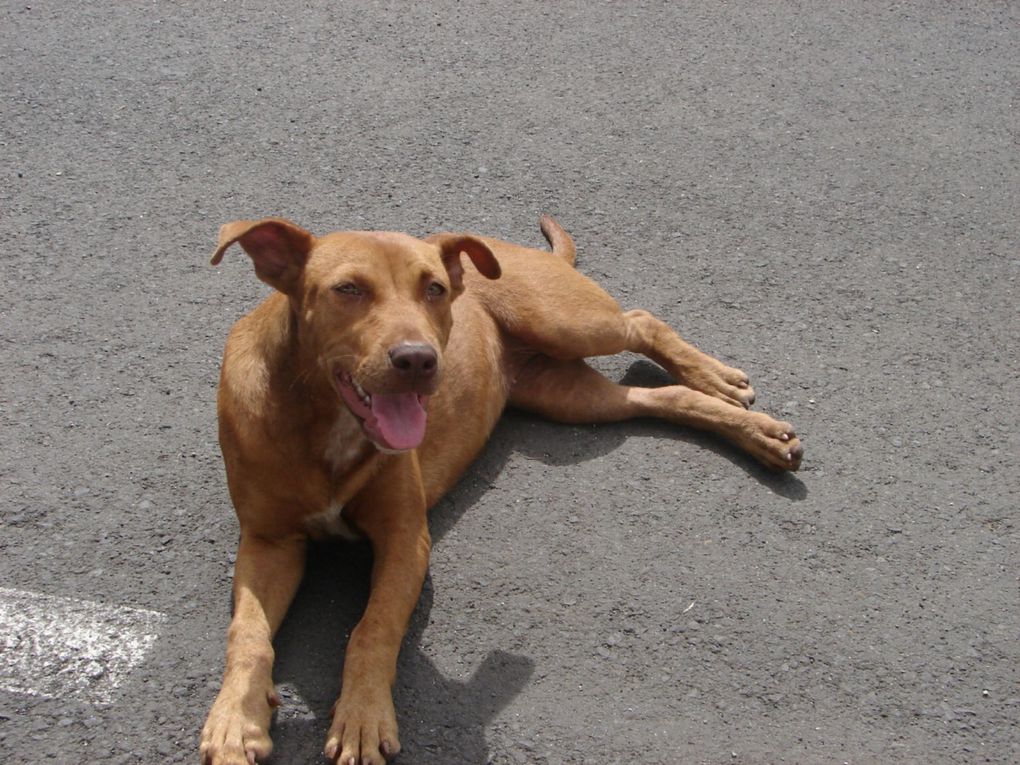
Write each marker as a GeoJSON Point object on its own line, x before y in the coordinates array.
{"type": "Point", "coordinates": [826, 195]}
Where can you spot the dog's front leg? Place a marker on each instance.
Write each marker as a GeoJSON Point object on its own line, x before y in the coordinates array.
{"type": "Point", "coordinates": [391, 513]}
{"type": "Point", "coordinates": [266, 576]}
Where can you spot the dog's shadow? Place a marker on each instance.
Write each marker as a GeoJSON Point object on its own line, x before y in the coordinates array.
{"type": "Point", "coordinates": [439, 717]}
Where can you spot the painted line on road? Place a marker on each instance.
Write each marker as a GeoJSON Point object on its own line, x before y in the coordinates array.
{"type": "Point", "coordinates": [63, 647]}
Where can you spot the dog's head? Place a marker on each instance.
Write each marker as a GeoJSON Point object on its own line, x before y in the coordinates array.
{"type": "Point", "coordinates": [373, 312]}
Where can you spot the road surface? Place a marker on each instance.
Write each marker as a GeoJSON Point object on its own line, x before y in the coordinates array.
{"type": "Point", "coordinates": [826, 196]}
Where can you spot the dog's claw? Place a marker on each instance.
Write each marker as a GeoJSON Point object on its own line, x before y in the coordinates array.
{"type": "Point", "coordinates": [773, 443]}
{"type": "Point", "coordinates": [794, 455]}
{"type": "Point", "coordinates": [365, 734]}
{"type": "Point", "coordinates": [237, 729]}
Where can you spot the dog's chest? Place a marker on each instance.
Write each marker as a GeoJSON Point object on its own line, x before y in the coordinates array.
{"type": "Point", "coordinates": [345, 448]}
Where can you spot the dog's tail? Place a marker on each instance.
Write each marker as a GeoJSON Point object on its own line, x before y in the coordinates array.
{"type": "Point", "coordinates": [561, 242]}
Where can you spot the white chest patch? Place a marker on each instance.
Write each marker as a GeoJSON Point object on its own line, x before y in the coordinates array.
{"type": "Point", "coordinates": [345, 447]}
{"type": "Point", "coordinates": [331, 523]}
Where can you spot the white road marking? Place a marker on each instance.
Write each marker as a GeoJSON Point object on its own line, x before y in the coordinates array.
{"type": "Point", "coordinates": [63, 647]}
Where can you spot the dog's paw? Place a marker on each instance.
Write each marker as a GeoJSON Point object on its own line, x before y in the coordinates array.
{"type": "Point", "coordinates": [364, 731]}
{"type": "Point", "coordinates": [237, 729]}
{"type": "Point", "coordinates": [720, 381]}
{"type": "Point", "coordinates": [771, 442]}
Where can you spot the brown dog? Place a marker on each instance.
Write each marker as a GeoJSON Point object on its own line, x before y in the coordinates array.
{"type": "Point", "coordinates": [353, 397]}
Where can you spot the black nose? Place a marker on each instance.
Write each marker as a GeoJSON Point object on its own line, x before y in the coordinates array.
{"type": "Point", "coordinates": [415, 360]}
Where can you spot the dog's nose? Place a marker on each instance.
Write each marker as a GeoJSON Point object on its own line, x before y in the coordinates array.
{"type": "Point", "coordinates": [415, 360]}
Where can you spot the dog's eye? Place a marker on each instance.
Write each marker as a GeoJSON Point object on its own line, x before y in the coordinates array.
{"type": "Point", "coordinates": [349, 288]}
{"type": "Point", "coordinates": [435, 290]}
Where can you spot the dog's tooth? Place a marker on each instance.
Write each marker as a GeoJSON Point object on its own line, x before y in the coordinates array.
{"type": "Point", "coordinates": [362, 394]}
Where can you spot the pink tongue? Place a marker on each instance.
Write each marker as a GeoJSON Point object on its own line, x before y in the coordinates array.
{"type": "Point", "coordinates": [400, 419]}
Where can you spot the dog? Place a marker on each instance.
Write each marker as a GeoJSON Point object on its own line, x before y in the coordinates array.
{"type": "Point", "coordinates": [360, 390]}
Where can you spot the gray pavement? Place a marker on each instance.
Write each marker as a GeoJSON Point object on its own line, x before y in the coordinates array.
{"type": "Point", "coordinates": [826, 195]}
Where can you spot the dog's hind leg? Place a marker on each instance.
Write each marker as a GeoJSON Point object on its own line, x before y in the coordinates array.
{"type": "Point", "coordinates": [652, 337]}
{"type": "Point", "coordinates": [551, 308]}
{"type": "Point", "coordinates": [571, 391]}
{"type": "Point", "coordinates": [577, 319]}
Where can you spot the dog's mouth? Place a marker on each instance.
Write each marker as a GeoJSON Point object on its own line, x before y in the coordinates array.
{"type": "Point", "coordinates": [392, 421]}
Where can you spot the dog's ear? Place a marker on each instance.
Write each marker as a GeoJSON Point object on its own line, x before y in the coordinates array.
{"type": "Point", "coordinates": [276, 246]}
{"type": "Point", "coordinates": [452, 245]}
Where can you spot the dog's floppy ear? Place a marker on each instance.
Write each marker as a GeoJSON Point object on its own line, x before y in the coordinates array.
{"type": "Point", "coordinates": [452, 245]}
{"type": "Point", "coordinates": [277, 247]}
